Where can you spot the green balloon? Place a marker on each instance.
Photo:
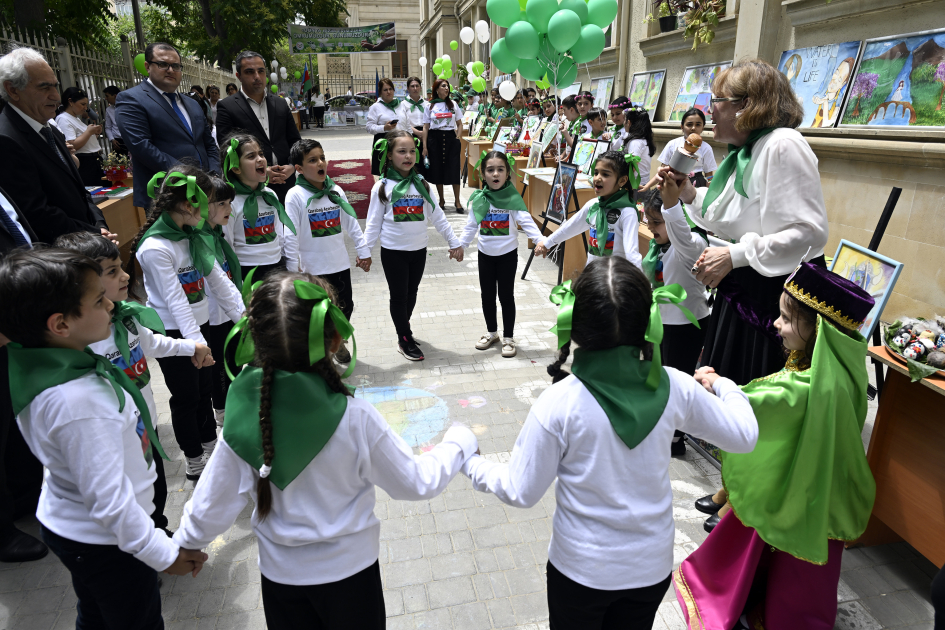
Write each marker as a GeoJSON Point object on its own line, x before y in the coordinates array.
{"type": "Point", "coordinates": [478, 68]}
{"type": "Point", "coordinates": [601, 12]}
{"type": "Point", "coordinates": [522, 40]}
{"type": "Point", "coordinates": [522, 3]}
{"type": "Point", "coordinates": [503, 58]}
{"type": "Point", "coordinates": [437, 68]}
{"type": "Point", "coordinates": [139, 64]}
{"type": "Point", "coordinates": [539, 12]}
{"type": "Point", "coordinates": [479, 84]}
{"type": "Point", "coordinates": [578, 6]}
{"type": "Point", "coordinates": [454, 45]}
{"type": "Point", "coordinates": [447, 73]}
{"type": "Point", "coordinates": [564, 30]}
{"type": "Point", "coordinates": [565, 75]}
{"type": "Point", "coordinates": [505, 13]}
{"type": "Point", "coordinates": [274, 88]}
{"type": "Point", "coordinates": [589, 46]}
{"type": "Point", "coordinates": [438, 60]}
{"type": "Point", "coordinates": [531, 69]}
{"type": "Point", "coordinates": [298, 75]}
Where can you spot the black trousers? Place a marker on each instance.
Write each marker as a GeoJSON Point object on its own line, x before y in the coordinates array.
{"type": "Point", "coordinates": [341, 283]}
{"type": "Point", "coordinates": [191, 407]}
{"type": "Point", "coordinates": [261, 270]}
{"type": "Point", "coordinates": [354, 602]}
{"type": "Point", "coordinates": [90, 169]}
{"type": "Point", "coordinates": [160, 485]}
{"type": "Point", "coordinates": [573, 605]}
{"type": "Point", "coordinates": [681, 347]}
{"type": "Point", "coordinates": [319, 116]}
{"type": "Point", "coordinates": [938, 599]}
{"type": "Point", "coordinates": [115, 590]}
{"type": "Point", "coordinates": [21, 474]}
{"type": "Point", "coordinates": [404, 271]}
{"type": "Point", "coordinates": [498, 273]}
{"type": "Point", "coordinates": [303, 117]}
{"type": "Point", "coordinates": [216, 339]}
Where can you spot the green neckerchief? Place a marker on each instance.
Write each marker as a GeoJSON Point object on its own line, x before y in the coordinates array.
{"type": "Point", "coordinates": [417, 105]}
{"type": "Point", "coordinates": [807, 480]}
{"type": "Point", "coordinates": [34, 370]}
{"type": "Point", "coordinates": [617, 379]}
{"type": "Point", "coordinates": [597, 216]}
{"type": "Point", "coordinates": [145, 315]}
{"type": "Point", "coordinates": [523, 112]}
{"type": "Point", "coordinates": [435, 101]}
{"type": "Point", "coordinates": [593, 137]}
{"type": "Point", "coordinates": [402, 187]}
{"type": "Point", "coordinates": [394, 104]}
{"type": "Point", "coordinates": [329, 189]}
{"type": "Point", "coordinates": [251, 205]}
{"type": "Point", "coordinates": [506, 198]}
{"type": "Point", "coordinates": [298, 434]}
{"type": "Point", "coordinates": [575, 127]}
{"type": "Point", "coordinates": [736, 161]}
{"type": "Point", "coordinates": [651, 259]}
{"type": "Point", "coordinates": [201, 242]}
{"type": "Point", "coordinates": [223, 252]}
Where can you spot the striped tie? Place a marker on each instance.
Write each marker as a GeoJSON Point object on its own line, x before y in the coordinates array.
{"type": "Point", "coordinates": [47, 133]}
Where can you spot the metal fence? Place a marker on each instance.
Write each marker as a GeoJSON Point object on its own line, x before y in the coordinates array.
{"type": "Point", "coordinates": [338, 85]}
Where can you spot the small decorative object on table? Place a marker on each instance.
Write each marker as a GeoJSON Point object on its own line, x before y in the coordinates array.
{"type": "Point", "coordinates": [116, 167]}
{"type": "Point", "coordinates": [918, 343]}
{"type": "Point", "coordinates": [684, 160]}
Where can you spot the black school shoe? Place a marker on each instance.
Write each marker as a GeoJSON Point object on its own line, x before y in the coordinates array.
{"type": "Point", "coordinates": [707, 506]}
{"type": "Point", "coordinates": [408, 347]}
{"type": "Point", "coordinates": [711, 522]}
{"type": "Point", "coordinates": [18, 546]}
{"type": "Point", "coordinates": [678, 448]}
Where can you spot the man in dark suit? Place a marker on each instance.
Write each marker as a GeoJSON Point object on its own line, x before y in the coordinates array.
{"type": "Point", "coordinates": [265, 116]}
{"type": "Point", "coordinates": [39, 174]}
{"type": "Point", "coordinates": [161, 127]}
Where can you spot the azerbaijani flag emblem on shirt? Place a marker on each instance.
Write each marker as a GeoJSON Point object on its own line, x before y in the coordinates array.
{"type": "Point", "coordinates": [145, 440]}
{"type": "Point", "coordinates": [408, 209]}
{"type": "Point", "coordinates": [263, 232]}
{"type": "Point", "coordinates": [192, 282]}
{"type": "Point", "coordinates": [601, 249]}
{"type": "Point", "coordinates": [325, 222]}
{"type": "Point", "coordinates": [495, 224]}
{"type": "Point", "coordinates": [138, 371]}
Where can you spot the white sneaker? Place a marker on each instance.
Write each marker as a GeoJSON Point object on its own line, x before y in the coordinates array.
{"type": "Point", "coordinates": [209, 446]}
{"type": "Point", "coordinates": [218, 416]}
{"type": "Point", "coordinates": [487, 340]}
{"type": "Point", "coordinates": [195, 466]}
{"type": "Point", "coordinates": [508, 347]}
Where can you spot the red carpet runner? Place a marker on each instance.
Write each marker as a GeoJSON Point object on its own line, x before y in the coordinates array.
{"type": "Point", "coordinates": [354, 177]}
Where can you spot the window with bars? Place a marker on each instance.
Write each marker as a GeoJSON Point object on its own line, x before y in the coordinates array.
{"type": "Point", "coordinates": [400, 60]}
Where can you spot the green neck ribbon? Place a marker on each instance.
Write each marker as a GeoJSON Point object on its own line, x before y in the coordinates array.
{"type": "Point", "coordinates": [597, 216]}
{"type": "Point", "coordinates": [807, 480]}
{"type": "Point", "coordinates": [402, 187]}
{"type": "Point", "coordinates": [651, 259]}
{"type": "Point", "coordinates": [251, 205]}
{"type": "Point", "coordinates": [506, 198]}
{"type": "Point", "coordinates": [145, 315]}
{"type": "Point", "coordinates": [200, 241]}
{"type": "Point", "coordinates": [736, 161]}
{"type": "Point", "coordinates": [328, 189]}
{"type": "Point", "coordinates": [415, 105]}
{"type": "Point", "coordinates": [297, 436]}
{"type": "Point", "coordinates": [34, 370]}
{"type": "Point", "coordinates": [223, 252]}
{"type": "Point", "coordinates": [195, 195]}
{"type": "Point", "coordinates": [437, 100]}
{"type": "Point", "coordinates": [394, 104]}
{"type": "Point", "coordinates": [618, 379]}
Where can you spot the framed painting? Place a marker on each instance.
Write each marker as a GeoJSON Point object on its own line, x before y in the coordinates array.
{"type": "Point", "coordinates": [561, 190]}
{"type": "Point", "coordinates": [899, 82]}
{"type": "Point", "coordinates": [477, 128]}
{"type": "Point", "coordinates": [505, 135]}
{"type": "Point", "coordinates": [530, 125]}
{"type": "Point", "coordinates": [534, 158]}
{"type": "Point", "coordinates": [583, 152]}
{"type": "Point", "coordinates": [599, 149]}
{"type": "Point", "coordinates": [695, 90]}
{"type": "Point", "coordinates": [335, 119]}
{"type": "Point", "coordinates": [820, 77]}
{"type": "Point", "coordinates": [874, 273]}
{"type": "Point", "coordinates": [400, 88]}
{"type": "Point", "coordinates": [601, 88]}
{"type": "Point", "coordinates": [571, 90]}
{"type": "Point", "coordinates": [469, 119]}
{"type": "Point", "coordinates": [645, 88]}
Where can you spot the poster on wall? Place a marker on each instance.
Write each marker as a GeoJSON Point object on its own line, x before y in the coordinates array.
{"type": "Point", "coordinates": [820, 76]}
{"type": "Point", "coordinates": [645, 90]}
{"type": "Point", "coordinates": [899, 82]}
{"type": "Point", "coordinates": [305, 40]}
{"type": "Point", "coordinates": [569, 91]}
{"type": "Point", "coordinates": [335, 119]}
{"type": "Point", "coordinates": [400, 88]}
{"type": "Point", "coordinates": [601, 88]}
{"type": "Point", "coordinates": [695, 89]}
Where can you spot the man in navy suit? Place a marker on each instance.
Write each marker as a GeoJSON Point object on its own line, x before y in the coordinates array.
{"type": "Point", "coordinates": [159, 126]}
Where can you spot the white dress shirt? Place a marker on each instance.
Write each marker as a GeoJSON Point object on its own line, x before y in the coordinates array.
{"type": "Point", "coordinates": [111, 125]}
{"type": "Point", "coordinates": [261, 110]}
{"type": "Point", "coordinates": [379, 115]}
{"type": "Point", "coordinates": [180, 104]}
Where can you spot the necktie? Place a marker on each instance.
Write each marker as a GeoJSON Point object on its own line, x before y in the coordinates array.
{"type": "Point", "coordinates": [173, 98]}
{"type": "Point", "coordinates": [47, 133]}
{"type": "Point", "coordinates": [18, 239]}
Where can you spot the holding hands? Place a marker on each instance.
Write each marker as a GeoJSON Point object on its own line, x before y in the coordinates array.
{"type": "Point", "coordinates": [363, 263]}
{"type": "Point", "coordinates": [541, 250]}
{"type": "Point", "coordinates": [713, 265]}
{"type": "Point", "coordinates": [707, 377]}
{"type": "Point", "coordinates": [456, 254]}
{"type": "Point", "coordinates": [202, 357]}
{"type": "Point", "coordinates": [188, 561]}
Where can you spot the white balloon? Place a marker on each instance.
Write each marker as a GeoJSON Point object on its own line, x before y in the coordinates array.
{"type": "Point", "coordinates": [274, 77]}
{"type": "Point", "coordinates": [423, 62]}
{"type": "Point", "coordinates": [283, 72]}
{"type": "Point", "coordinates": [469, 67]}
{"type": "Point", "coordinates": [446, 58]}
{"type": "Point", "coordinates": [482, 27]}
{"type": "Point", "coordinates": [275, 64]}
{"type": "Point", "coordinates": [483, 37]}
{"type": "Point", "coordinates": [467, 35]}
{"type": "Point", "coordinates": [507, 90]}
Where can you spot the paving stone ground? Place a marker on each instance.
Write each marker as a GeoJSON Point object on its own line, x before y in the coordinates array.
{"type": "Point", "coordinates": [462, 560]}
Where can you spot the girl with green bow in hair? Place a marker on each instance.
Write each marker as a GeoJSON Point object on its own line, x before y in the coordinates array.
{"type": "Point", "coordinates": [258, 221]}
{"type": "Point", "coordinates": [88, 424]}
{"type": "Point", "coordinates": [309, 455]}
{"type": "Point", "coordinates": [179, 266]}
{"type": "Point", "coordinates": [401, 205]}
{"type": "Point", "coordinates": [611, 218]}
{"type": "Point", "coordinates": [604, 433]}
{"type": "Point", "coordinates": [636, 138]}
{"type": "Point", "coordinates": [495, 213]}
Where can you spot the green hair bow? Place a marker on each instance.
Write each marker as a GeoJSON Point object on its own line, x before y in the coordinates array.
{"type": "Point", "coordinates": [195, 195]}
{"type": "Point", "coordinates": [563, 296]}
{"type": "Point", "coordinates": [633, 161]}
{"type": "Point", "coordinates": [232, 159]}
{"type": "Point", "coordinates": [508, 158]}
{"type": "Point", "coordinates": [245, 349]}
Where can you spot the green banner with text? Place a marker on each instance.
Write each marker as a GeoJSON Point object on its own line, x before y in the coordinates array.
{"type": "Point", "coordinates": [356, 39]}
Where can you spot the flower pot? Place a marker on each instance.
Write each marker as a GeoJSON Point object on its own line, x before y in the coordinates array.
{"type": "Point", "coordinates": [667, 24]}
{"type": "Point", "coordinates": [116, 175]}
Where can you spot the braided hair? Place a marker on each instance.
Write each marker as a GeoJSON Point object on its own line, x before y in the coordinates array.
{"type": "Point", "coordinates": [611, 308]}
{"type": "Point", "coordinates": [618, 163]}
{"type": "Point", "coordinates": [638, 126]}
{"type": "Point", "coordinates": [391, 137]}
{"type": "Point", "coordinates": [279, 323]}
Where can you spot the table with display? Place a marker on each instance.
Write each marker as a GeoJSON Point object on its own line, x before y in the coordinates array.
{"type": "Point", "coordinates": [123, 217]}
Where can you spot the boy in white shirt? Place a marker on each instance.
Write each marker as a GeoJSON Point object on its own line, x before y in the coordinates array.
{"type": "Point", "coordinates": [97, 495]}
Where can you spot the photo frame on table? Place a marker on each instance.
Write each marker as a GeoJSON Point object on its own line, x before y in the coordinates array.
{"type": "Point", "coordinates": [561, 190]}
{"type": "Point", "coordinates": [504, 135]}
{"type": "Point", "coordinates": [821, 77]}
{"type": "Point", "coordinates": [503, 123]}
{"type": "Point", "coordinates": [695, 90]}
{"type": "Point", "coordinates": [601, 147]}
{"type": "Point", "coordinates": [534, 157]}
{"type": "Point", "coordinates": [645, 89]}
{"type": "Point", "coordinates": [601, 88]}
{"type": "Point", "coordinates": [898, 82]}
{"type": "Point", "coordinates": [874, 273]}
{"type": "Point", "coordinates": [583, 152]}
{"type": "Point", "coordinates": [478, 127]}
{"type": "Point", "coordinates": [529, 125]}
{"type": "Point", "coordinates": [469, 118]}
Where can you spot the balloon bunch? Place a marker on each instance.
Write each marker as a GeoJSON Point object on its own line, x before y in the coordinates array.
{"type": "Point", "coordinates": [546, 40]}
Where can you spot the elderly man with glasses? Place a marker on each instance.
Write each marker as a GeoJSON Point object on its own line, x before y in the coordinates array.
{"type": "Point", "coordinates": [159, 126]}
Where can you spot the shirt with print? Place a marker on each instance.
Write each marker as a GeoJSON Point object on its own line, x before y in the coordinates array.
{"type": "Point", "coordinates": [622, 235]}
{"type": "Point", "coordinates": [498, 231]}
{"type": "Point", "coordinates": [403, 225]}
{"type": "Point", "coordinates": [217, 314]}
{"type": "Point", "coordinates": [319, 248]}
{"type": "Point", "coordinates": [686, 246]}
{"type": "Point", "coordinates": [178, 291]}
{"type": "Point", "coordinates": [258, 244]}
{"type": "Point", "coordinates": [440, 117]}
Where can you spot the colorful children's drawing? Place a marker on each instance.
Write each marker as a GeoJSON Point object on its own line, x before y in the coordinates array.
{"type": "Point", "coordinates": [534, 158]}
{"type": "Point", "coordinates": [601, 88]}
{"type": "Point", "coordinates": [561, 188]}
{"type": "Point", "coordinates": [602, 147]}
{"type": "Point", "coordinates": [335, 119]}
{"type": "Point", "coordinates": [505, 135]}
{"type": "Point", "coordinates": [900, 81]}
{"type": "Point", "coordinates": [820, 77]}
{"type": "Point", "coordinates": [469, 119]}
{"type": "Point", "coordinates": [874, 273]}
{"type": "Point", "coordinates": [583, 153]}
{"type": "Point", "coordinates": [530, 125]}
{"type": "Point", "coordinates": [477, 128]}
{"type": "Point", "coordinates": [645, 88]}
{"type": "Point", "coordinates": [695, 89]}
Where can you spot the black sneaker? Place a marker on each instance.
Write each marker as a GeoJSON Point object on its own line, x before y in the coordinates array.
{"type": "Point", "coordinates": [409, 349]}
{"type": "Point", "coordinates": [678, 448]}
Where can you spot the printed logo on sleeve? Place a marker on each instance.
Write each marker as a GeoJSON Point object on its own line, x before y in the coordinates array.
{"type": "Point", "coordinates": [226, 269]}
{"type": "Point", "coordinates": [137, 370]}
{"type": "Point", "coordinates": [408, 209]}
{"type": "Point", "coordinates": [495, 224]}
{"type": "Point", "coordinates": [264, 231]}
{"type": "Point", "coordinates": [601, 249]}
{"type": "Point", "coordinates": [325, 222]}
{"type": "Point", "coordinates": [192, 282]}
{"type": "Point", "coordinates": [145, 440]}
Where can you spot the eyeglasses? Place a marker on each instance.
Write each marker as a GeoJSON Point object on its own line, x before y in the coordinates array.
{"type": "Point", "coordinates": [722, 99]}
{"type": "Point", "coordinates": [176, 67]}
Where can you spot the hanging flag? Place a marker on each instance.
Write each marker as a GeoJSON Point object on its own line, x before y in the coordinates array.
{"type": "Point", "coordinates": [377, 84]}
{"type": "Point", "coordinates": [306, 80]}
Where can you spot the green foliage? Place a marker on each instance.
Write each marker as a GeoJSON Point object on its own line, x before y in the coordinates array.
{"type": "Point", "coordinates": [155, 23]}
{"type": "Point", "coordinates": [85, 21]}
{"type": "Point", "coordinates": [663, 10]}
{"type": "Point", "coordinates": [702, 19]}
{"type": "Point", "coordinates": [860, 109]}
{"type": "Point", "coordinates": [925, 72]}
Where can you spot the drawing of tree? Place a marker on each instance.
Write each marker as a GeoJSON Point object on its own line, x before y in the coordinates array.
{"type": "Point", "coordinates": [863, 88]}
{"type": "Point", "coordinates": [940, 76]}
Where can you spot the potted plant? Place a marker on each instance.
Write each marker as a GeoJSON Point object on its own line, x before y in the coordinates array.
{"type": "Point", "coordinates": [116, 167]}
{"type": "Point", "coordinates": [666, 16]}
{"type": "Point", "coordinates": [701, 20]}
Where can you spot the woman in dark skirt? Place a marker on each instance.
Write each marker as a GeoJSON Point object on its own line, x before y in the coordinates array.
{"type": "Point", "coordinates": [443, 127]}
{"type": "Point", "coordinates": [382, 117]}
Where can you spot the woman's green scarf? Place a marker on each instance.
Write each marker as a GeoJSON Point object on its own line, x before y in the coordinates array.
{"type": "Point", "coordinates": [200, 241]}
{"type": "Point", "coordinates": [402, 187]}
{"type": "Point", "coordinates": [736, 161]}
{"type": "Point", "coordinates": [597, 216]}
{"type": "Point", "coordinates": [329, 189]}
{"type": "Point", "coordinates": [392, 105]}
{"type": "Point", "coordinates": [415, 105]}
{"type": "Point", "coordinates": [506, 198]}
{"type": "Point", "coordinates": [251, 205]}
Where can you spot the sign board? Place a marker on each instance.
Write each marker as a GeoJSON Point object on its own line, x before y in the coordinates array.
{"type": "Point", "coordinates": [304, 40]}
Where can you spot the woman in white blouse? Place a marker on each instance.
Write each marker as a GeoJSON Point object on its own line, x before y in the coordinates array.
{"type": "Point", "coordinates": [442, 129]}
{"type": "Point", "coordinates": [383, 116]}
{"type": "Point", "coordinates": [83, 137]}
{"type": "Point", "coordinates": [411, 114]}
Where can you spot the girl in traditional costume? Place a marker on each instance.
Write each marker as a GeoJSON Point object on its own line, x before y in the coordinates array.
{"type": "Point", "coordinates": [773, 561]}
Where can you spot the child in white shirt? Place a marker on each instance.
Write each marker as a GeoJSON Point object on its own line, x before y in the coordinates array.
{"type": "Point", "coordinates": [638, 140]}
{"type": "Point", "coordinates": [693, 121]}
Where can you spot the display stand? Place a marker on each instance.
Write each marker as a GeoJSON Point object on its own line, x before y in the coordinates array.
{"type": "Point", "coordinates": [874, 246]}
